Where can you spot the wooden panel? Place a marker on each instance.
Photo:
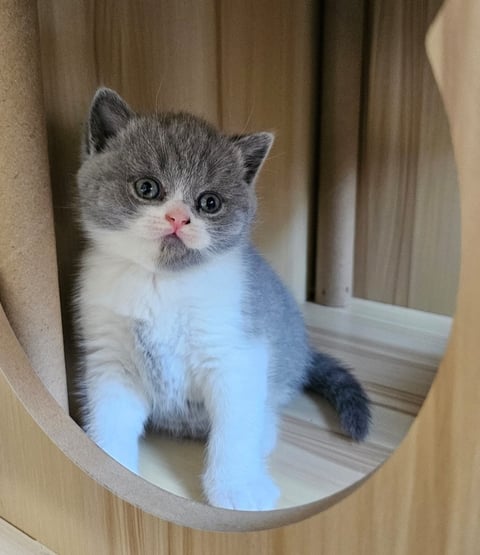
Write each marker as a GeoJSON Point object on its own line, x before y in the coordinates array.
{"type": "Point", "coordinates": [407, 231]}
{"type": "Point", "coordinates": [435, 256]}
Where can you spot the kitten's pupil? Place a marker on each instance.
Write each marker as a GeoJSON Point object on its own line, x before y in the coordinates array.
{"type": "Point", "coordinates": [147, 188]}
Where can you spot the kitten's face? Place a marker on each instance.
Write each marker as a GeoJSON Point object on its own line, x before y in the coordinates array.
{"type": "Point", "coordinates": [169, 190]}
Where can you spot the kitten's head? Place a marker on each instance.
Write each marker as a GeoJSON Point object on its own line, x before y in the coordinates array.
{"type": "Point", "coordinates": [169, 190]}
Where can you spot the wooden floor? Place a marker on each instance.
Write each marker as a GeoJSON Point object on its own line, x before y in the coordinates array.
{"type": "Point", "coordinates": [395, 353]}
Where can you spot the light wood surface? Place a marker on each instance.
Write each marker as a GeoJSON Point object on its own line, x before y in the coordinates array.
{"type": "Point", "coordinates": [58, 488]}
{"type": "Point", "coordinates": [407, 231]}
{"type": "Point", "coordinates": [15, 542]}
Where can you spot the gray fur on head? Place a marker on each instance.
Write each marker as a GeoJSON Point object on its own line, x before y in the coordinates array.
{"type": "Point", "coordinates": [183, 153]}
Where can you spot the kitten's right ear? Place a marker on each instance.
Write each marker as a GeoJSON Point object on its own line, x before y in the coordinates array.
{"type": "Point", "coordinates": [254, 149]}
{"type": "Point", "coordinates": [109, 113]}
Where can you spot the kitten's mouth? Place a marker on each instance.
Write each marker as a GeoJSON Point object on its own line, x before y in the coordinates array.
{"type": "Point", "coordinates": [172, 238]}
{"type": "Point", "coordinates": [174, 254]}
{"type": "Point", "coordinates": [173, 244]}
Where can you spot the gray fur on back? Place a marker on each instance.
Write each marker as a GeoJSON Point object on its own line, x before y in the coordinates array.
{"type": "Point", "coordinates": [271, 310]}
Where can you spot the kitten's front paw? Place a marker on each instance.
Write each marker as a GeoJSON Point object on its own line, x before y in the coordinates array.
{"type": "Point", "coordinates": [254, 493]}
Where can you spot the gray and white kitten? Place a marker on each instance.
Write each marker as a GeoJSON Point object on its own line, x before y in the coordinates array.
{"type": "Point", "coordinates": [184, 326]}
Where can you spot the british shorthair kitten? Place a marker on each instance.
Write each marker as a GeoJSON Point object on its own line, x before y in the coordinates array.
{"type": "Point", "coordinates": [184, 327]}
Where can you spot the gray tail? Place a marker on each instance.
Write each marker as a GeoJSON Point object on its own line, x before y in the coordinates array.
{"type": "Point", "coordinates": [331, 379]}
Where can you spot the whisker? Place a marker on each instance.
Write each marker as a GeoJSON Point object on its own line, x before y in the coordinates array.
{"type": "Point", "coordinates": [159, 88]}
{"type": "Point", "coordinates": [249, 117]}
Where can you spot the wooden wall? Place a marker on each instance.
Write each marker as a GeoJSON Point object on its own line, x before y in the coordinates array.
{"type": "Point", "coordinates": [408, 217]}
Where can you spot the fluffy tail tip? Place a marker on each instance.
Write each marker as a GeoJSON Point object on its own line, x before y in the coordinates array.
{"type": "Point", "coordinates": [355, 415]}
{"type": "Point", "coordinates": [338, 385]}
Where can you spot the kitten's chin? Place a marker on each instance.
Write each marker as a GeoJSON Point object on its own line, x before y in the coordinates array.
{"type": "Point", "coordinates": [175, 255]}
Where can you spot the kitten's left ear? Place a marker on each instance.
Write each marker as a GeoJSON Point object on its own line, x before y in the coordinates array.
{"type": "Point", "coordinates": [254, 150]}
{"type": "Point", "coordinates": [109, 113]}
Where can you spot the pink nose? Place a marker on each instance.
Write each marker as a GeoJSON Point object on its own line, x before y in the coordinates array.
{"type": "Point", "coordinates": [178, 217]}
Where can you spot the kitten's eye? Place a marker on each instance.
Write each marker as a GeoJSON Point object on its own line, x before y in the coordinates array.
{"type": "Point", "coordinates": [147, 188]}
{"type": "Point", "coordinates": [209, 203]}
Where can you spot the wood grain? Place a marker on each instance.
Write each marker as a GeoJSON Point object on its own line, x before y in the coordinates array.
{"type": "Point", "coordinates": [14, 542]}
{"type": "Point", "coordinates": [407, 230]}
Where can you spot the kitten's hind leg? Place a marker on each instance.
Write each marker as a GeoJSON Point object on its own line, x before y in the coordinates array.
{"type": "Point", "coordinates": [115, 418]}
{"type": "Point", "coordinates": [236, 476]}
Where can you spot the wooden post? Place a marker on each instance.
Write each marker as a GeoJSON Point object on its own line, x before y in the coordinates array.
{"type": "Point", "coordinates": [339, 138]}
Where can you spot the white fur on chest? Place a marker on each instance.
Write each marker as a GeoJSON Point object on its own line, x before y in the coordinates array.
{"type": "Point", "coordinates": [187, 320]}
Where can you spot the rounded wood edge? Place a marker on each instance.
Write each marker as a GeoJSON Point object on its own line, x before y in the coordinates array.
{"type": "Point", "coordinates": [28, 265]}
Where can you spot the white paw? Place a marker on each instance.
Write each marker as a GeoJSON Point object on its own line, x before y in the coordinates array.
{"type": "Point", "coordinates": [251, 493]}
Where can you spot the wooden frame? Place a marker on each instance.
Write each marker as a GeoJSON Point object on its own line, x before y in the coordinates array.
{"type": "Point", "coordinates": [60, 489]}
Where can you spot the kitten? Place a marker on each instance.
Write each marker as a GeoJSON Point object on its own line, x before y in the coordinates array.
{"type": "Point", "coordinates": [184, 326]}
